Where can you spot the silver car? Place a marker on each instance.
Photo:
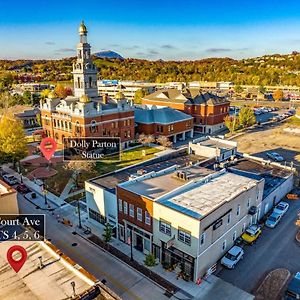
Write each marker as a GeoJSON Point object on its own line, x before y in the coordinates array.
{"type": "Point", "coordinates": [281, 208]}
{"type": "Point", "coordinates": [232, 257]}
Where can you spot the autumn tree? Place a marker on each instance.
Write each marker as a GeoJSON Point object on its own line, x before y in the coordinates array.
{"type": "Point", "coordinates": [238, 89]}
{"type": "Point", "coordinates": [278, 95]}
{"type": "Point", "coordinates": [45, 93]}
{"type": "Point", "coordinates": [6, 81]}
{"type": "Point", "coordinates": [232, 123]}
{"type": "Point", "coordinates": [139, 94]}
{"type": "Point", "coordinates": [247, 117]}
{"type": "Point", "coordinates": [164, 141]}
{"type": "Point", "coordinates": [62, 92]}
{"type": "Point", "coordinates": [13, 145]}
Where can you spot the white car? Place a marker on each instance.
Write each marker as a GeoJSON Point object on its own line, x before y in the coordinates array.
{"type": "Point", "coordinates": [10, 179]}
{"type": "Point", "coordinates": [232, 257]}
{"type": "Point", "coordinates": [275, 156]}
{"type": "Point", "coordinates": [281, 208]}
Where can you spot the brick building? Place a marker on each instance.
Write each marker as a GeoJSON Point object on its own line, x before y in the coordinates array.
{"type": "Point", "coordinates": [165, 121]}
{"type": "Point", "coordinates": [208, 110]}
{"type": "Point", "coordinates": [86, 114]}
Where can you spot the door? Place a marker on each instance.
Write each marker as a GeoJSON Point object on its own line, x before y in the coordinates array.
{"type": "Point", "coordinates": [139, 243]}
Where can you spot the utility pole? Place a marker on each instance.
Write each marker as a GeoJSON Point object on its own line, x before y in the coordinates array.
{"type": "Point", "coordinates": [79, 216]}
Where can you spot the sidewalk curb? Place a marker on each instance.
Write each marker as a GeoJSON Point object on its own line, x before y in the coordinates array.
{"type": "Point", "coordinates": [123, 262]}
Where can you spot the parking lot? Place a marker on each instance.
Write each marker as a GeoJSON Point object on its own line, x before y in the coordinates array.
{"type": "Point", "coordinates": [276, 248]}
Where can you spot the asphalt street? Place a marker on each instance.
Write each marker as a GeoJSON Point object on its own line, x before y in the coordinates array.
{"type": "Point", "coordinates": [123, 280]}
{"type": "Point", "coordinates": [276, 248]}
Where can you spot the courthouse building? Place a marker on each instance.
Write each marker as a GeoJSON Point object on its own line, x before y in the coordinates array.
{"type": "Point", "coordinates": [86, 114]}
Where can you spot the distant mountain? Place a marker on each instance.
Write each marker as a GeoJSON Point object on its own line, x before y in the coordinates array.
{"type": "Point", "coordinates": [108, 54]}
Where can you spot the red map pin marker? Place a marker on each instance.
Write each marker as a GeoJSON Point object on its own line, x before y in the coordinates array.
{"type": "Point", "coordinates": [48, 147]}
{"type": "Point", "coordinates": [16, 264]}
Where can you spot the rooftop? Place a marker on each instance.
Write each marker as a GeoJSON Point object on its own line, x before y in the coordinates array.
{"type": "Point", "coordinates": [273, 175]}
{"type": "Point", "coordinates": [51, 282]}
{"type": "Point", "coordinates": [197, 199]}
{"type": "Point", "coordinates": [157, 186]}
{"type": "Point", "coordinates": [217, 143]}
{"type": "Point", "coordinates": [163, 115]}
{"type": "Point", "coordinates": [111, 180]}
{"type": "Point", "coordinates": [5, 188]}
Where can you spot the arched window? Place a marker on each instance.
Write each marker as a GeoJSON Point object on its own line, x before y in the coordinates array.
{"type": "Point", "coordinates": [54, 123]}
{"type": "Point", "coordinates": [94, 127]}
{"type": "Point", "coordinates": [66, 125]}
{"type": "Point", "coordinates": [77, 127]}
{"type": "Point", "coordinates": [46, 120]}
{"type": "Point", "coordinates": [70, 125]}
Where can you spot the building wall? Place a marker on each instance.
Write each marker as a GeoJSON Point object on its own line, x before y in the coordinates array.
{"type": "Point", "coordinates": [103, 202]}
{"type": "Point", "coordinates": [211, 249]}
{"type": "Point", "coordinates": [166, 130]}
{"type": "Point", "coordinates": [112, 125]}
{"type": "Point", "coordinates": [139, 202]}
{"type": "Point", "coordinates": [275, 196]}
{"type": "Point", "coordinates": [177, 220]}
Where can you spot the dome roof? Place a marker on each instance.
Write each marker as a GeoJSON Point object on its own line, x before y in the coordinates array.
{"type": "Point", "coordinates": [84, 99]}
{"type": "Point", "coordinates": [82, 28]}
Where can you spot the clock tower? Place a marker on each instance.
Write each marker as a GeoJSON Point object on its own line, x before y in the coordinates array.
{"type": "Point", "coordinates": [84, 71]}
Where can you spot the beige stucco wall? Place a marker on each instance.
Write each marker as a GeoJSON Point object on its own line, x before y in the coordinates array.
{"type": "Point", "coordinates": [8, 203]}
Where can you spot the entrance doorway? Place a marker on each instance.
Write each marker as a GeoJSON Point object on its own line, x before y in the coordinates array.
{"type": "Point", "coordinates": [139, 243]}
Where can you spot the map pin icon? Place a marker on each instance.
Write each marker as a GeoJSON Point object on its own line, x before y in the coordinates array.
{"type": "Point", "coordinates": [48, 147]}
{"type": "Point", "coordinates": [16, 264]}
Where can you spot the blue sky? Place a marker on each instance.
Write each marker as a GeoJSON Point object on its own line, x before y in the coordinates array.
{"type": "Point", "coordinates": [187, 29]}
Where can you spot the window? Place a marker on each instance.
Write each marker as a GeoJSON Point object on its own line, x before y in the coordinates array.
{"type": "Point", "coordinates": [184, 236]}
{"type": "Point", "coordinates": [125, 207]}
{"type": "Point", "coordinates": [202, 239]}
{"type": "Point", "coordinates": [238, 210]}
{"type": "Point", "coordinates": [139, 213]}
{"type": "Point", "coordinates": [96, 216]}
{"type": "Point", "coordinates": [147, 218]}
{"type": "Point", "coordinates": [229, 218]}
{"type": "Point", "coordinates": [165, 227]}
{"type": "Point", "coordinates": [224, 245]}
{"type": "Point", "coordinates": [248, 202]}
{"type": "Point", "coordinates": [131, 210]}
{"type": "Point", "coordinates": [244, 227]}
{"type": "Point", "coordinates": [234, 236]}
{"type": "Point", "coordinates": [120, 205]}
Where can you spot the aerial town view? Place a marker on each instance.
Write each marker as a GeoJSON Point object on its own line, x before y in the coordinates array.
{"type": "Point", "coordinates": [150, 150]}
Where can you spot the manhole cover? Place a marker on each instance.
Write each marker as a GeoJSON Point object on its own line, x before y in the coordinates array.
{"type": "Point", "coordinates": [74, 232]}
{"type": "Point", "coordinates": [74, 244]}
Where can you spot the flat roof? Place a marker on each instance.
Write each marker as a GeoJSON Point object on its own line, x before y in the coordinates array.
{"type": "Point", "coordinates": [273, 175]}
{"type": "Point", "coordinates": [111, 180]}
{"type": "Point", "coordinates": [203, 197]}
{"type": "Point", "coordinates": [158, 186]}
{"type": "Point", "coordinates": [51, 282]}
{"type": "Point", "coordinates": [216, 144]}
{"type": "Point", "coordinates": [5, 188]}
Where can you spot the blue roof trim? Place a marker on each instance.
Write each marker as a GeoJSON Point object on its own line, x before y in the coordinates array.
{"type": "Point", "coordinates": [180, 209]}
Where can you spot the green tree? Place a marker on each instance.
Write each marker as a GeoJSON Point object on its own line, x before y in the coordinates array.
{"type": "Point", "coordinates": [107, 233]}
{"type": "Point", "coordinates": [238, 89]}
{"type": "Point", "coordinates": [6, 81]}
{"type": "Point", "coordinates": [150, 260]}
{"type": "Point", "coordinates": [232, 123]}
{"type": "Point", "coordinates": [262, 89]}
{"type": "Point", "coordinates": [27, 98]}
{"type": "Point", "coordinates": [13, 145]}
{"type": "Point", "coordinates": [247, 117]}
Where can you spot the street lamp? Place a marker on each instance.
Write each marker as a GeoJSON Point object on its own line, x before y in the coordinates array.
{"type": "Point", "coordinates": [131, 250]}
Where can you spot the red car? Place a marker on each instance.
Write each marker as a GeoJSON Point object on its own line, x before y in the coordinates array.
{"type": "Point", "coordinates": [22, 188]}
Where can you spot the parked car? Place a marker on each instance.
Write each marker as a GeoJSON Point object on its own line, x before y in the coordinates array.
{"type": "Point", "coordinates": [281, 208]}
{"type": "Point", "coordinates": [251, 234]}
{"type": "Point", "coordinates": [232, 257]}
{"type": "Point", "coordinates": [275, 156]}
{"type": "Point", "coordinates": [293, 288]}
{"type": "Point", "coordinates": [22, 188]}
{"type": "Point", "coordinates": [273, 220]}
{"type": "Point", "coordinates": [10, 179]}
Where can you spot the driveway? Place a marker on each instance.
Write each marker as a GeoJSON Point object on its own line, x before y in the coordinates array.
{"type": "Point", "coordinates": [276, 248]}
